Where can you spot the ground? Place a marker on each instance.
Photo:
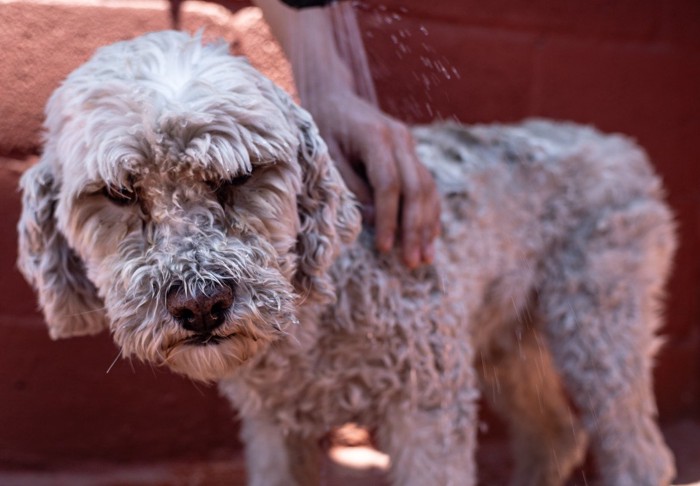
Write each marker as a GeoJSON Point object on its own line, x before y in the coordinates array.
{"type": "Point", "coordinates": [348, 466]}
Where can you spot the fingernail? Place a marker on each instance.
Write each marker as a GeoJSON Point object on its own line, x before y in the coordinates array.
{"type": "Point", "coordinates": [385, 244]}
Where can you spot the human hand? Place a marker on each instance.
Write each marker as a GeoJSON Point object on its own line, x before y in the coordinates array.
{"type": "Point", "coordinates": [374, 152]}
{"type": "Point", "coordinates": [376, 157]}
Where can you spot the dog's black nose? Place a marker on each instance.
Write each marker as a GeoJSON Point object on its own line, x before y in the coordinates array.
{"type": "Point", "coordinates": [203, 311]}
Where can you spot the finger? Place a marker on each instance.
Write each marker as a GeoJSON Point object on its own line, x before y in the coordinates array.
{"type": "Point", "coordinates": [384, 179]}
{"type": "Point", "coordinates": [411, 228]}
{"type": "Point", "coordinates": [361, 190]}
{"type": "Point", "coordinates": [411, 238]}
{"type": "Point", "coordinates": [414, 217]}
{"type": "Point", "coordinates": [353, 181]}
{"type": "Point", "coordinates": [356, 184]}
{"type": "Point", "coordinates": [432, 229]}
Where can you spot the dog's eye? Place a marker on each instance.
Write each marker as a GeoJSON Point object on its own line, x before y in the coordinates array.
{"type": "Point", "coordinates": [222, 189]}
{"type": "Point", "coordinates": [121, 196]}
{"type": "Point", "coordinates": [239, 180]}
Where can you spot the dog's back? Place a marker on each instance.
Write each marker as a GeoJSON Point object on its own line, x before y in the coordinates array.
{"type": "Point", "coordinates": [555, 241]}
{"type": "Point", "coordinates": [536, 217]}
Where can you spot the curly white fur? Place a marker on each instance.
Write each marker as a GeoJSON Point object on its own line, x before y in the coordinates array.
{"type": "Point", "coordinates": [556, 244]}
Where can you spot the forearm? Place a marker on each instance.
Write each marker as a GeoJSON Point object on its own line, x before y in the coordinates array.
{"type": "Point", "coordinates": [307, 39]}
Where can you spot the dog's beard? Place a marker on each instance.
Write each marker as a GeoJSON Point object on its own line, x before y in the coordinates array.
{"type": "Point", "coordinates": [215, 358]}
{"type": "Point", "coordinates": [264, 307]}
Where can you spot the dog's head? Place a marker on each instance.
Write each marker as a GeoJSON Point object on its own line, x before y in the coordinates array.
{"type": "Point", "coordinates": [183, 201]}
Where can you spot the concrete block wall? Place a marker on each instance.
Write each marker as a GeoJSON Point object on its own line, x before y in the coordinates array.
{"type": "Point", "coordinates": [625, 66]}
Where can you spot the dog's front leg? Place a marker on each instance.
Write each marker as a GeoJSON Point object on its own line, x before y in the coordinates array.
{"type": "Point", "coordinates": [277, 459]}
{"type": "Point", "coordinates": [430, 447]}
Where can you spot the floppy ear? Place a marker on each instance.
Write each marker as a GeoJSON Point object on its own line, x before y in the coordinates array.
{"type": "Point", "coordinates": [328, 212]}
{"type": "Point", "coordinates": [67, 298]}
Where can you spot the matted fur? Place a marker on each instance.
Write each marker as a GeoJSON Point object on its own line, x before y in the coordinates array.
{"type": "Point", "coordinates": [555, 248]}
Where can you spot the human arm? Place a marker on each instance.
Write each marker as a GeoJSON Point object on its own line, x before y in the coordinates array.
{"type": "Point", "coordinates": [374, 152]}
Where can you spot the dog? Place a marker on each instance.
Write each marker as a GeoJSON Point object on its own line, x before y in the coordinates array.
{"type": "Point", "coordinates": [188, 205]}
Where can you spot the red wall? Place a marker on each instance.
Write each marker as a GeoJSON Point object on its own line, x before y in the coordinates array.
{"type": "Point", "coordinates": [627, 66]}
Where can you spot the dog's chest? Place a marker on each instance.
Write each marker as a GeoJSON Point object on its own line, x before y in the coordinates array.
{"type": "Point", "coordinates": [392, 338]}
